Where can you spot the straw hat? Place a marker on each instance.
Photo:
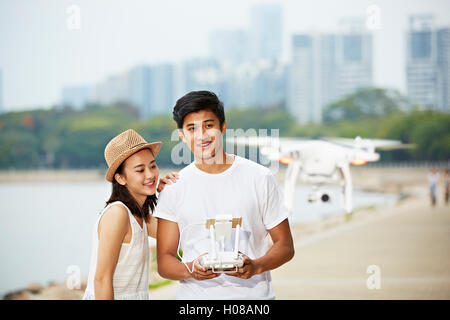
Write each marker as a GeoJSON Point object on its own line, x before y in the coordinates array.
{"type": "Point", "coordinates": [123, 146]}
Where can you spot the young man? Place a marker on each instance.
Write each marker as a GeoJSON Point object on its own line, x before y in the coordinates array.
{"type": "Point", "coordinates": [217, 183]}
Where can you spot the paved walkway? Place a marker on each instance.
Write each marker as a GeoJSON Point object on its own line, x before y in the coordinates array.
{"type": "Point", "coordinates": [408, 246]}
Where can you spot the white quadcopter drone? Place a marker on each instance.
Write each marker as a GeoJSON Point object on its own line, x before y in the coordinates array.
{"type": "Point", "coordinates": [220, 230]}
{"type": "Point", "coordinates": [318, 161]}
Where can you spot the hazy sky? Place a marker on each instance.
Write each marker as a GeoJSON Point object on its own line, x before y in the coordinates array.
{"type": "Point", "coordinates": [39, 54]}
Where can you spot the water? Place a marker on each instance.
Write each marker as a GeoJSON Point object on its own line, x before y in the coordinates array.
{"type": "Point", "coordinates": [305, 212]}
{"type": "Point", "coordinates": [47, 227]}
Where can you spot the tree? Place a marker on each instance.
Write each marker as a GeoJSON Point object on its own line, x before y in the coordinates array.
{"type": "Point", "coordinates": [366, 103]}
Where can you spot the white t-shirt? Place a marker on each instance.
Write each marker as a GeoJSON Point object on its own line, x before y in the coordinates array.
{"type": "Point", "coordinates": [246, 190]}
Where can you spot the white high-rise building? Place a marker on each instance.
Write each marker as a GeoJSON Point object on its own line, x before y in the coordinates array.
{"type": "Point", "coordinates": [76, 96]}
{"type": "Point", "coordinates": [443, 45]}
{"type": "Point", "coordinates": [203, 74]}
{"type": "Point", "coordinates": [150, 89]}
{"type": "Point", "coordinates": [162, 97]}
{"type": "Point", "coordinates": [266, 31]}
{"type": "Point", "coordinates": [139, 87]}
{"type": "Point", "coordinates": [327, 67]}
{"type": "Point", "coordinates": [353, 57]}
{"type": "Point", "coordinates": [261, 84]}
{"type": "Point", "coordinates": [229, 46]}
{"type": "Point", "coordinates": [428, 64]}
{"type": "Point", "coordinates": [114, 88]}
{"type": "Point", "coordinates": [303, 76]}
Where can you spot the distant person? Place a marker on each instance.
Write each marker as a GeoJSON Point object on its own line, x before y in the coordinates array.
{"type": "Point", "coordinates": [120, 252]}
{"type": "Point", "coordinates": [433, 178]}
{"type": "Point", "coordinates": [446, 186]}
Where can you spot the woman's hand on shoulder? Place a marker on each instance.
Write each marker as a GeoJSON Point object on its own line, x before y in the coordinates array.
{"type": "Point", "coordinates": [171, 177]}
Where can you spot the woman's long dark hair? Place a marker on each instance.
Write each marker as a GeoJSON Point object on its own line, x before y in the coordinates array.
{"type": "Point", "coordinates": [121, 193]}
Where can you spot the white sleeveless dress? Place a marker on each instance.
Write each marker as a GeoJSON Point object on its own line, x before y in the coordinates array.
{"type": "Point", "coordinates": [131, 278]}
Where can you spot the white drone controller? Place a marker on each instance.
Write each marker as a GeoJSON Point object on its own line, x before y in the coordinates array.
{"type": "Point", "coordinates": [220, 231]}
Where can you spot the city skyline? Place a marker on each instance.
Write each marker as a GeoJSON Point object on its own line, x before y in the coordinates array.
{"type": "Point", "coordinates": [326, 67]}
{"type": "Point", "coordinates": [244, 69]}
{"type": "Point", "coordinates": [60, 58]}
{"type": "Point", "coordinates": [428, 64]}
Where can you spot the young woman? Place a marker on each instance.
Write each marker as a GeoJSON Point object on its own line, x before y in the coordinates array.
{"type": "Point", "coordinates": [120, 252]}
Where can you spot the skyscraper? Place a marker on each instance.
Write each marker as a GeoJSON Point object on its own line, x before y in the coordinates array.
{"type": "Point", "coordinates": [353, 58]}
{"type": "Point", "coordinates": [443, 59]}
{"type": "Point", "coordinates": [266, 31]}
{"type": "Point", "coordinates": [302, 77]}
{"type": "Point", "coordinates": [139, 89]}
{"type": "Point", "coordinates": [150, 88]}
{"type": "Point", "coordinates": [231, 46]}
{"type": "Point", "coordinates": [77, 96]}
{"type": "Point", "coordinates": [261, 84]}
{"type": "Point", "coordinates": [161, 89]}
{"type": "Point", "coordinates": [114, 88]}
{"type": "Point", "coordinates": [327, 67]}
{"type": "Point", "coordinates": [202, 74]}
{"type": "Point", "coordinates": [427, 67]}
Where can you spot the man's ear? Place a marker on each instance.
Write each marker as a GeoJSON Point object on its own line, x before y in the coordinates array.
{"type": "Point", "coordinates": [120, 179]}
{"type": "Point", "coordinates": [181, 134]}
{"type": "Point", "coordinates": [224, 127]}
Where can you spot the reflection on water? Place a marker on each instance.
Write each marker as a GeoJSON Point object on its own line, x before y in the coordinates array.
{"type": "Point", "coordinates": [47, 227]}
{"type": "Point", "coordinates": [307, 212]}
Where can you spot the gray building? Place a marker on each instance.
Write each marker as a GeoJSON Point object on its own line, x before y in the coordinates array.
{"type": "Point", "coordinates": [261, 84]}
{"type": "Point", "coordinates": [150, 88]}
{"type": "Point", "coordinates": [427, 66]}
{"type": "Point", "coordinates": [203, 74]}
{"type": "Point", "coordinates": [114, 88]}
{"type": "Point", "coordinates": [266, 31]}
{"type": "Point", "coordinates": [270, 84]}
{"type": "Point", "coordinates": [139, 89]}
{"type": "Point", "coordinates": [258, 84]}
{"type": "Point", "coordinates": [244, 66]}
{"type": "Point", "coordinates": [354, 58]}
{"type": "Point", "coordinates": [303, 76]}
{"type": "Point", "coordinates": [77, 96]}
{"type": "Point", "coordinates": [230, 46]}
{"type": "Point", "coordinates": [327, 67]}
{"type": "Point", "coordinates": [162, 90]}
{"type": "Point", "coordinates": [443, 59]}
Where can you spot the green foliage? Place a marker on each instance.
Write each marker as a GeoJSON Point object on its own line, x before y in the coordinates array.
{"type": "Point", "coordinates": [159, 284]}
{"type": "Point", "coordinates": [365, 103]}
{"type": "Point", "coordinates": [277, 118]}
{"type": "Point", "coordinates": [19, 149]}
{"type": "Point", "coordinates": [65, 138]}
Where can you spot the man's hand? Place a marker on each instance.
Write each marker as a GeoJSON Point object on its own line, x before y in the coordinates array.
{"type": "Point", "coordinates": [199, 272]}
{"type": "Point", "coordinates": [248, 270]}
{"type": "Point", "coordinates": [281, 251]}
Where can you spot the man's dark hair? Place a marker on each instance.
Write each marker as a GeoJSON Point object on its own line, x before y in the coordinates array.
{"type": "Point", "coordinates": [195, 101]}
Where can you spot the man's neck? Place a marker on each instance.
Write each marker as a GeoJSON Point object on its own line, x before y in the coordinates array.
{"type": "Point", "coordinates": [217, 164]}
